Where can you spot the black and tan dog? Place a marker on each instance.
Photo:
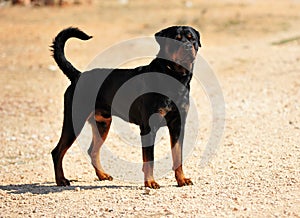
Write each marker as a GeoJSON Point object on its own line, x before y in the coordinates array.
{"type": "Point", "coordinates": [173, 60]}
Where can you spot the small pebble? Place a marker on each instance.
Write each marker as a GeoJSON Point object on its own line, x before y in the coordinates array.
{"type": "Point", "coordinates": [47, 138]}
{"type": "Point", "coordinates": [77, 189]}
{"type": "Point", "coordinates": [12, 138]}
{"type": "Point", "coordinates": [52, 68]}
{"type": "Point", "coordinates": [34, 136]}
{"type": "Point", "coordinates": [147, 191]}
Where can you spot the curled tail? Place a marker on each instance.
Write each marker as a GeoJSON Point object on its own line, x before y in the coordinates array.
{"type": "Point", "coordinates": [59, 55]}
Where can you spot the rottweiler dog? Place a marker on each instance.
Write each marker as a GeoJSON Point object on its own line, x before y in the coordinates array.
{"type": "Point", "coordinates": [175, 59]}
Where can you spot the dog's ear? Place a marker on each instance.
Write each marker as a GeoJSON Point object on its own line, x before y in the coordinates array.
{"type": "Point", "coordinates": [198, 37]}
{"type": "Point", "coordinates": [165, 33]}
{"type": "Point", "coordinates": [159, 36]}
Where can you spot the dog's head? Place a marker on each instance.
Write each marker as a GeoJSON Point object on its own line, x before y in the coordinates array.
{"type": "Point", "coordinates": [179, 44]}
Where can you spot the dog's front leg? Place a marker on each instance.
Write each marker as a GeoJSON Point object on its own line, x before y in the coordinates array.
{"type": "Point", "coordinates": [148, 158]}
{"type": "Point", "coordinates": [176, 130]}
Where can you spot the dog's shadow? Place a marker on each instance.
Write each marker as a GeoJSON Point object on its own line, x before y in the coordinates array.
{"type": "Point", "coordinates": [50, 187]}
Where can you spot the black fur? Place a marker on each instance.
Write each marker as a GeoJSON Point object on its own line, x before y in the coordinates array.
{"type": "Point", "coordinates": [59, 55]}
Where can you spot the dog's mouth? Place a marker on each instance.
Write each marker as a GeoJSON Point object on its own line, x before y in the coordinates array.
{"type": "Point", "coordinates": [187, 58]}
{"type": "Point", "coordinates": [187, 51]}
{"type": "Point", "coordinates": [184, 58]}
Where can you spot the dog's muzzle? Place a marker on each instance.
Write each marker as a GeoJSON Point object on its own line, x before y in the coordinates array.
{"type": "Point", "coordinates": [188, 46]}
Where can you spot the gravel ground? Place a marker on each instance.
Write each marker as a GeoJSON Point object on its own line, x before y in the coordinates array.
{"type": "Point", "coordinates": [254, 50]}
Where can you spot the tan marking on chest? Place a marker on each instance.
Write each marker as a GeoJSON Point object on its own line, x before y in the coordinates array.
{"type": "Point", "coordinates": [163, 111]}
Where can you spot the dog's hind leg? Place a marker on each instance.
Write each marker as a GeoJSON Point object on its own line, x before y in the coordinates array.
{"type": "Point", "coordinates": [100, 128]}
{"type": "Point", "coordinates": [67, 138]}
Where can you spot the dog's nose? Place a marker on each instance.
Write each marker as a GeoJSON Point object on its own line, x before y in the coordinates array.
{"type": "Point", "coordinates": [188, 46]}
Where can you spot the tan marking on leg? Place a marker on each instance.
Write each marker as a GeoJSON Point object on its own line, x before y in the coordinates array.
{"type": "Point", "coordinates": [177, 165]}
{"type": "Point", "coordinates": [148, 176]}
{"type": "Point", "coordinates": [163, 111]}
{"type": "Point", "coordinates": [176, 155]}
{"type": "Point", "coordinates": [99, 136]}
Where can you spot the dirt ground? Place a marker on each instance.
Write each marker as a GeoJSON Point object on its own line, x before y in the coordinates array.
{"type": "Point", "coordinates": [252, 46]}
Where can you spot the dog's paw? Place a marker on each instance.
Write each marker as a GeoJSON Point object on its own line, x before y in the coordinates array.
{"type": "Point", "coordinates": [152, 184]}
{"type": "Point", "coordinates": [184, 182]}
{"type": "Point", "coordinates": [104, 176]}
{"type": "Point", "coordinates": [62, 182]}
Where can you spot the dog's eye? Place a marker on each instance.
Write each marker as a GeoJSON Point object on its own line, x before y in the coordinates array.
{"type": "Point", "coordinates": [189, 36]}
{"type": "Point", "coordinates": [178, 37]}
